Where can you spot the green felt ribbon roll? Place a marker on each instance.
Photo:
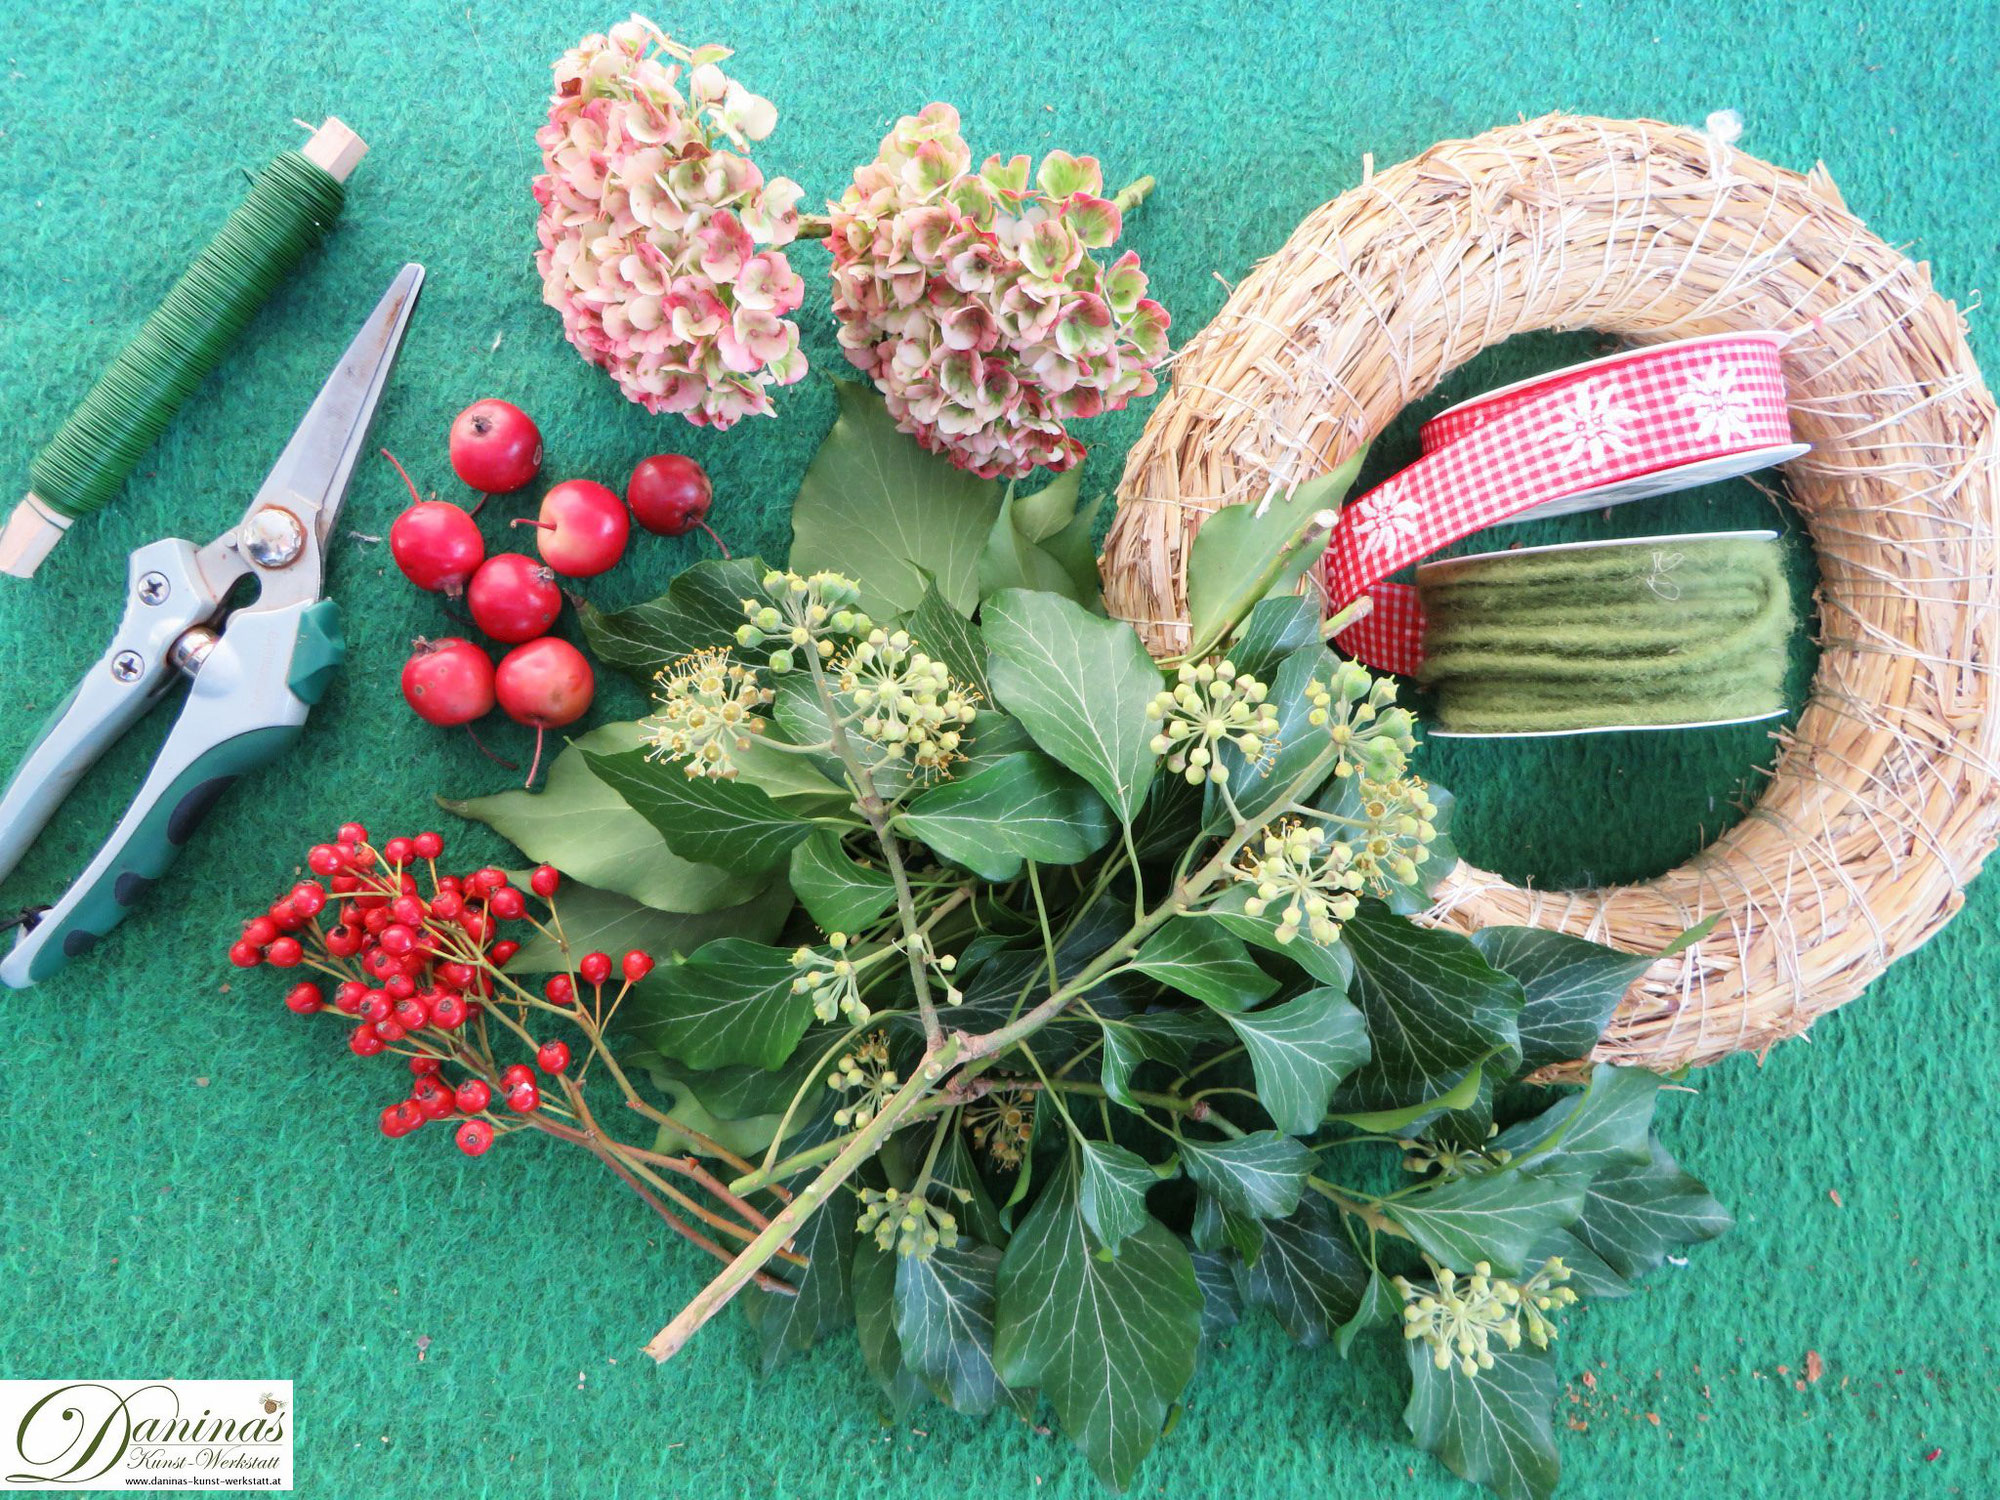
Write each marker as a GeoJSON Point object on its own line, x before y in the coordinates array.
{"type": "Point", "coordinates": [290, 206]}
{"type": "Point", "coordinates": [1670, 630]}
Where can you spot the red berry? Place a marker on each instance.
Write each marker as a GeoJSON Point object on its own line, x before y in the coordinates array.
{"type": "Point", "coordinates": [286, 915]}
{"type": "Point", "coordinates": [582, 528]}
{"type": "Point", "coordinates": [545, 880]}
{"type": "Point", "coordinates": [669, 494]}
{"type": "Point", "coordinates": [475, 924]}
{"type": "Point", "coordinates": [408, 910]}
{"type": "Point", "coordinates": [408, 1115]}
{"type": "Point", "coordinates": [343, 884]}
{"type": "Point", "coordinates": [431, 1097]}
{"type": "Point", "coordinates": [524, 1098]}
{"type": "Point", "coordinates": [422, 1063]}
{"type": "Point", "coordinates": [427, 845]}
{"type": "Point", "coordinates": [448, 682]}
{"type": "Point", "coordinates": [474, 1136]}
{"type": "Point", "coordinates": [447, 905]}
{"type": "Point", "coordinates": [508, 904]}
{"type": "Point", "coordinates": [391, 1030]}
{"type": "Point", "coordinates": [485, 880]}
{"type": "Point", "coordinates": [552, 1057]}
{"type": "Point", "coordinates": [351, 833]}
{"type": "Point", "coordinates": [447, 1010]}
{"type": "Point", "coordinates": [546, 683]}
{"type": "Point", "coordinates": [411, 1013]}
{"type": "Point", "coordinates": [513, 598]}
{"type": "Point", "coordinates": [347, 996]}
{"type": "Point", "coordinates": [303, 999]}
{"type": "Point", "coordinates": [375, 1005]}
{"type": "Point", "coordinates": [595, 968]}
{"type": "Point", "coordinates": [456, 975]}
{"type": "Point", "coordinates": [503, 950]}
{"type": "Point", "coordinates": [259, 931]}
{"type": "Point", "coordinates": [636, 966]}
{"type": "Point", "coordinates": [398, 851]}
{"type": "Point", "coordinates": [324, 859]}
{"type": "Point", "coordinates": [363, 1042]}
{"type": "Point", "coordinates": [559, 990]}
{"type": "Point", "coordinates": [344, 941]}
{"type": "Point", "coordinates": [378, 965]}
{"type": "Point", "coordinates": [437, 545]}
{"type": "Point", "coordinates": [392, 1122]}
{"type": "Point", "coordinates": [473, 1095]}
{"type": "Point", "coordinates": [377, 920]}
{"type": "Point", "coordinates": [308, 898]}
{"type": "Point", "coordinates": [396, 938]}
{"type": "Point", "coordinates": [245, 954]}
{"type": "Point", "coordinates": [517, 1073]}
{"type": "Point", "coordinates": [399, 986]}
{"type": "Point", "coordinates": [285, 953]}
{"type": "Point", "coordinates": [495, 446]}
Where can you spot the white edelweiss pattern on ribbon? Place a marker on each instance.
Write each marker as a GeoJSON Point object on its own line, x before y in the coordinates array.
{"type": "Point", "coordinates": [1593, 427]}
{"type": "Point", "coordinates": [1392, 520]}
{"type": "Point", "coordinates": [1720, 405]}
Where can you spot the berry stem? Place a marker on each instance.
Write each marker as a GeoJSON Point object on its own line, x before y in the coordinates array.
{"type": "Point", "coordinates": [720, 545]}
{"type": "Point", "coordinates": [415, 498]}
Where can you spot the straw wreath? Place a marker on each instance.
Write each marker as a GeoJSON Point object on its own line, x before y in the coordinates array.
{"type": "Point", "coordinates": [1884, 802]}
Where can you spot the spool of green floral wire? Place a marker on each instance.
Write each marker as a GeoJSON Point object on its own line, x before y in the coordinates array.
{"type": "Point", "coordinates": [290, 206]}
{"type": "Point", "coordinates": [1660, 632]}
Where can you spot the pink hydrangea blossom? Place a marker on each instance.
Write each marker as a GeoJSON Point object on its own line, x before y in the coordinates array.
{"type": "Point", "coordinates": [974, 302]}
{"type": "Point", "coordinates": [659, 237]}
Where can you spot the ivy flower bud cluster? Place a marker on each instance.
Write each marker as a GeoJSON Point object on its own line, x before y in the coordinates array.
{"type": "Point", "coordinates": [660, 238]}
{"type": "Point", "coordinates": [976, 305]}
{"type": "Point", "coordinates": [1003, 1124]}
{"type": "Point", "coordinates": [1401, 824]}
{"type": "Point", "coordinates": [867, 1069]}
{"type": "Point", "coordinates": [707, 713]}
{"type": "Point", "coordinates": [1211, 704]}
{"type": "Point", "coordinates": [1308, 878]}
{"type": "Point", "coordinates": [1461, 1316]}
{"type": "Point", "coordinates": [801, 614]}
{"type": "Point", "coordinates": [905, 1222]}
{"type": "Point", "coordinates": [909, 702]}
{"type": "Point", "coordinates": [1358, 713]}
{"type": "Point", "coordinates": [832, 979]}
{"type": "Point", "coordinates": [1424, 1156]}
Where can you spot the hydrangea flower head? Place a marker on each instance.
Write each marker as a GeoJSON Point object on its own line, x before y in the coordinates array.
{"type": "Point", "coordinates": [976, 302]}
{"type": "Point", "coordinates": [660, 238]}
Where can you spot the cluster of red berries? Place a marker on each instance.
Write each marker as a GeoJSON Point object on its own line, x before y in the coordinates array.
{"type": "Point", "coordinates": [422, 976]}
{"type": "Point", "coordinates": [581, 531]}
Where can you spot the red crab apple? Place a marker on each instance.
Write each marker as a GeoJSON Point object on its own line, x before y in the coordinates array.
{"type": "Point", "coordinates": [582, 528]}
{"type": "Point", "coordinates": [670, 494]}
{"type": "Point", "coordinates": [546, 683]}
{"type": "Point", "coordinates": [495, 446]}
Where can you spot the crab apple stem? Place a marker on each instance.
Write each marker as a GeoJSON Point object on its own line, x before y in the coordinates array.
{"type": "Point", "coordinates": [479, 504]}
{"type": "Point", "coordinates": [511, 765]}
{"type": "Point", "coordinates": [531, 521]}
{"type": "Point", "coordinates": [414, 496]}
{"type": "Point", "coordinates": [720, 545]}
{"type": "Point", "coordinates": [535, 764]}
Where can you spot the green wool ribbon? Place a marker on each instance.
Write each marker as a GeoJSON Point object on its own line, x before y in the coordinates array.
{"type": "Point", "coordinates": [1665, 631]}
{"type": "Point", "coordinates": [291, 205]}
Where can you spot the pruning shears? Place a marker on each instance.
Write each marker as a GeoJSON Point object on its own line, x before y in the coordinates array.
{"type": "Point", "coordinates": [254, 670]}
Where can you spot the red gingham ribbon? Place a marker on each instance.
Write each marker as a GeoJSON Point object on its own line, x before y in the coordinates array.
{"type": "Point", "coordinates": [1609, 423]}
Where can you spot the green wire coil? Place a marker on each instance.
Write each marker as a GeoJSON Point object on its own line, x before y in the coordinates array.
{"type": "Point", "coordinates": [1671, 630]}
{"type": "Point", "coordinates": [291, 205]}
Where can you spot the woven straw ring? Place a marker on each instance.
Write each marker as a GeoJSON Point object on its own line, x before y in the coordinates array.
{"type": "Point", "coordinates": [1885, 799]}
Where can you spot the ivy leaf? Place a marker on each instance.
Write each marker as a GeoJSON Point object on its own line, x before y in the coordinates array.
{"type": "Point", "coordinates": [1299, 1052]}
{"type": "Point", "coordinates": [1260, 1175]}
{"type": "Point", "coordinates": [1572, 987]}
{"type": "Point", "coordinates": [1164, 1036]}
{"type": "Point", "coordinates": [1494, 1427]}
{"type": "Point", "coordinates": [1608, 1124]}
{"type": "Point", "coordinates": [1239, 555]}
{"type": "Point", "coordinates": [1011, 560]}
{"type": "Point", "coordinates": [1021, 808]}
{"type": "Point", "coordinates": [1635, 1216]}
{"type": "Point", "coordinates": [1275, 629]}
{"type": "Point", "coordinates": [701, 817]}
{"type": "Point", "coordinates": [585, 829]}
{"type": "Point", "coordinates": [1497, 1216]}
{"type": "Point", "coordinates": [1464, 1095]}
{"type": "Point", "coordinates": [838, 892]}
{"type": "Point", "coordinates": [1080, 686]}
{"type": "Point", "coordinates": [1199, 958]}
{"type": "Point", "coordinates": [701, 608]}
{"type": "Point", "coordinates": [788, 1325]}
{"type": "Point", "coordinates": [606, 922]}
{"type": "Point", "coordinates": [944, 1325]}
{"type": "Point", "coordinates": [950, 637]}
{"type": "Point", "coordinates": [1259, 786]}
{"type": "Point", "coordinates": [731, 1002]}
{"type": "Point", "coordinates": [1110, 1340]}
{"type": "Point", "coordinates": [1308, 1274]}
{"type": "Point", "coordinates": [876, 507]}
{"type": "Point", "coordinates": [989, 739]}
{"type": "Point", "coordinates": [1436, 1010]}
{"type": "Point", "coordinates": [1111, 1191]}
{"type": "Point", "coordinates": [1329, 963]}
{"type": "Point", "coordinates": [1381, 1307]}
{"type": "Point", "coordinates": [1221, 1300]}
{"type": "Point", "coordinates": [1589, 1277]}
{"type": "Point", "coordinates": [1216, 1227]}
{"type": "Point", "coordinates": [1075, 547]}
{"type": "Point", "coordinates": [1051, 508]}
{"type": "Point", "coordinates": [956, 1172]}
{"type": "Point", "coordinates": [872, 1284]}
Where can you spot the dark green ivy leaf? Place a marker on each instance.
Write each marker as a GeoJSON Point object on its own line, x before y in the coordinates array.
{"type": "Point", "coordinates": [1634, 1216]}
{"type": "Point", "coordinates": [1381, 1307]}
{"type": "Point", "coordinates": [1274, 630]}
{"type": "Point", "coordinates": [1435, 1008]}
{"type": "Point", "coordinates": [944, 1325]}
{"type": "Point", "coordinates": [1330, 964]}
{"type": "Point", "coordinates": [1165, 1036]}
{"type": "Point", "coordinates": [1299, 1052]}
{"type": "Point", "coordinates": [700, 609]}
{"type": "Point", "coordinates": [1216, 1228]}
{"type": "Point", "coordinates": [702, 818]}
{"type": "Point", "coordinates": [1308, 1274]}
{"type": "Point", "coordinates": [731, 1002]}
{"type": "Point", "coordinates": [873, 1286]}
{"type": "Point", "coordinates": [1110, 1339]}
{"type": "Point", "coordinates": [1025, 807]}
{"type": "Point", "coordinates": [1493, 1428]}
{"type": "Point", "coordinates": [1111, 1191]}
{"type": "Point", "coordinates": [950, 637]}
{"type": "Point", "coordinates": [1199, 958]}
{"type": "Point", "coordinates": [1498, 1216]}
{"type": "Point", "coordinates": [1607, 1124]}
{"type": "Point", "coordinates": [838, 892]}
{"type": "Point", "coordinates": [1221, 1301]}
{"type": "Point", "coordinates": [1572, 987]}
{"type": "Point", "coordinates": [1259, 1176]}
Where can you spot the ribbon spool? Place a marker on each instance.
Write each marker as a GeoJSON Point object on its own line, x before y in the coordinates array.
{"type": "Point", "coordinates": [1645, 422]}
{"type": "Point", "coordinates": [1666, 632]}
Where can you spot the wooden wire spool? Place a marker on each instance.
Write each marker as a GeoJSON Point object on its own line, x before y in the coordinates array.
{"type": "Point", "coordinates": [1885, 799]}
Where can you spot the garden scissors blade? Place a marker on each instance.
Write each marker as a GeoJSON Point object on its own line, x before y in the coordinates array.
{"type": "Point", "coordinates": [255, 670]}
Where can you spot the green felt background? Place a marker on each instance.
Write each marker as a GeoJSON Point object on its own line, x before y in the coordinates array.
{"type": "Point", "coordinates": [190, 1180]}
